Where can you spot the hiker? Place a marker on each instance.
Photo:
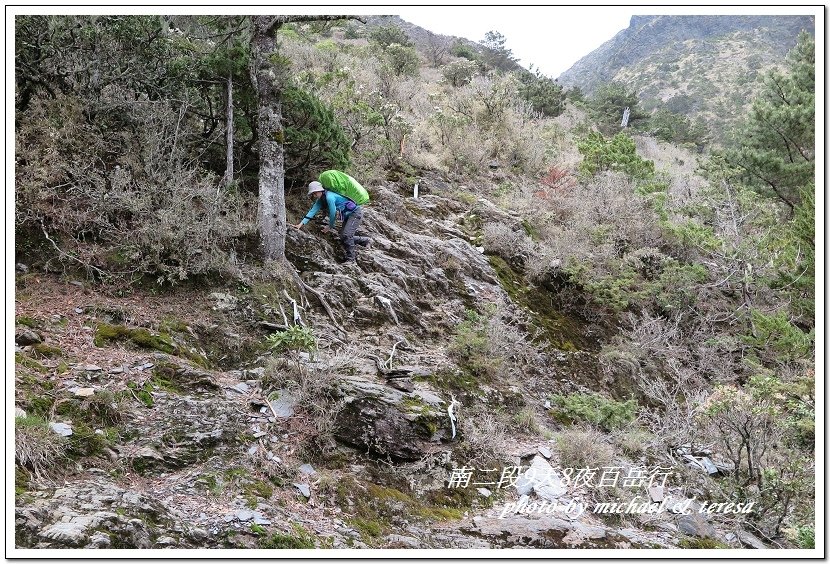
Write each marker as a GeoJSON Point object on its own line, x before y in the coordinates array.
{"type": "Point", "coordinates": [344, 196]}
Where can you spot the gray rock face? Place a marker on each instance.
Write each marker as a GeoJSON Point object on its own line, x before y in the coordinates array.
{"type": "Point", "coordinates": [402, 385]}
{"type": "Point", "coordinates": [541, 479]}
{"type": "Point", "coordinates": [749, 540]}
{"type": "Point", "coordinates": [224, 302]}
{"type": "Point", "coordinates": [401, 541]}
{"type": "Point", "coordinates": [68, 534]}
{"type": "Point", "coordinates": [96, 514]}
{"type": "Point", "coordinates": [540, 532]}
{"type": "Point", "coordinates": [307, 469]}
{"type": "Point", "coordinates": [99, 539]}
{"type": "Point", "coordinates": [187, 378]}
{"type": "Point", "coordinates": [695, 525]}
{"type": "Point", "coordinates": [61, 429]}
{"type": "Point", "coordinates": [404, 276]}
{"type": "Point", "coordinates": [181, 430]}
{"type": "Point", "coordinates": [82, 392]}
{"type": "Point", "coordinates": [284, 404]}
{"type": "Point", "coordinates": [24, 336]}
{"type": "Point", "coordinates": [244, 515]}
{"type": "Point", "coordinates": [389, 422]}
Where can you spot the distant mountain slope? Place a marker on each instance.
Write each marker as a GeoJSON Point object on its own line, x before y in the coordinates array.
{"type": "Point", "coordinates": [425, 39]}
{"type": "Point", "coordinates": [707, 66]}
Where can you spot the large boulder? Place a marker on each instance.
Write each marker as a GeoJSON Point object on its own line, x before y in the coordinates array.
{"type": "Point", "coordinates": [695, 524]}
{"type": "Point", "coordinates": [24, 336]}
{"type": "Point", "coordinates": [534, 531]}
{"type": "Point", "coordinates": [388, 422]}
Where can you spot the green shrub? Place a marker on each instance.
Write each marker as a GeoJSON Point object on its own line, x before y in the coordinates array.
{"type": "Point", "coordinates": [616, 291]}
{"type": "Point", "coordinates": [752, 426]}
{"type": "Point", "coordinates": [314, 139]}
{"type": "Point", "coordinates": [388, 35]}
{"type": "Point", "coordinates": [295, 338]}
{"type": "Point", "coordinates": [806, 537]}
{"type": "Point", "coordinates": [471, 347]}
{"type": "Point", "coordinates": [777, 333]}
{"type": "Point", "coordinates": [676, 128]}
{"type": "Point", "coordinates": [300, 538]}
{"type": "Point", "coordinates": [617, 153]}
{"type": "Point", "coordinates": [545, 94]}
{"type": "Point", "coordinates": [463, 51]}
{"type": "Point", "coordinates": [608, 104]}
{"type": "Point", "coordinates": [402, 60]}
{"type": "Point", "coordinates": [593, 408]}
{"type": "Point", "coordinates": [677, 286]}
{"type": "Point", "coordinates": [459, 73]}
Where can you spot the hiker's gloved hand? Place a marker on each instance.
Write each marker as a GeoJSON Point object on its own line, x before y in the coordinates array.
{"type": "Point", "coordinates": [298, 226]}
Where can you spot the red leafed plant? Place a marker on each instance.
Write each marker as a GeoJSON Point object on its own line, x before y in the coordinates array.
{"type": "Point", "coordinates": [558, 179]}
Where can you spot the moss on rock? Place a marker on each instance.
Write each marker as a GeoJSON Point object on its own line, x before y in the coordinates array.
{"type": "Point", "coordinates": [106, 333]}
{"type": "Point", "coordinates": [563, 331]}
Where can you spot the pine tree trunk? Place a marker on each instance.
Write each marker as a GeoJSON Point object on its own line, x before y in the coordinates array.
{"type": "Point", "coordinates": [228, 178]}
{"type": "Point", "coordinates": [267, 75]}
{"type": "Point", "coordinates": [266, 78]}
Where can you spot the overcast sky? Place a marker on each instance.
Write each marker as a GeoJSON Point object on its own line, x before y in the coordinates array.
{"type": "Point", "coordinates": [551, 38]}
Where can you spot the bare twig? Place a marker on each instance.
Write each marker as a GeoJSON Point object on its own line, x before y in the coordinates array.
{"type": "Point", "coordinates": [388, 363]}
{"type": "Point", "coordinates": [282, 311]}
{"type": "Point", "coordinates": [67, 255]}
{"type": "Point", "coordinates": [325, 305]}
{"type": "Point", "coordinates": [271, 407]}
{"type": "Point", "coordinates": [297, 319]}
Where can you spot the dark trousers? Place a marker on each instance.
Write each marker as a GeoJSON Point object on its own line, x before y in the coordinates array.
{"type": "Point", "coordinates": [347, 233]}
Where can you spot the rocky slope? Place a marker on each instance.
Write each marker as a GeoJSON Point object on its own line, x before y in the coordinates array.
{"type": "Point", "coordinates": [171, 425]}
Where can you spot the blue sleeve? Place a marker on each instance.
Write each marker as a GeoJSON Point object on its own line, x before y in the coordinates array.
{"type": "Point", "coordinates": [331, 198]}
{"type": "Point", "coordinates": [312, 212]}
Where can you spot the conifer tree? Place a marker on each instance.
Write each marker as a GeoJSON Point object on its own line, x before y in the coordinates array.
{"type": "Point", "coordinates": [775, 148]}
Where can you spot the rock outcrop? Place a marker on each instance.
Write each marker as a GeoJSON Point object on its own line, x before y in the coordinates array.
{"type": "Point", "coordinates": [389, 422]}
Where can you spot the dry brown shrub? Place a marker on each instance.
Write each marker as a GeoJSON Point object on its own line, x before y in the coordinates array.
{"type": "Point", "coordinates": [486, 438]}
{"type": "Point", "coordinates": [37, 448]}
{"type": "Point", "coordinates": [124, 204]}
{"type": "Point", "coordinates": [503, 240]}
{"type": "Point", "coordinates": [581, 448]}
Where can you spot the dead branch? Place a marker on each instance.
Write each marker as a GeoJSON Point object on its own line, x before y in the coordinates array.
{"type": "Point", "coordinates": [63, 253]}
{"type": "Point", "coordinates": [297, 319]}
{"type": "Point", "coordinates": [325, 305]}
{"type": "Point", "coordinates": [388, 363]}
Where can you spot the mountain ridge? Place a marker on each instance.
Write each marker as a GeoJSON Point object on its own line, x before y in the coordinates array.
{"type": "Point", "coordinates": [704, 67]}
{"type": "Point", "coordinates": [666, 28]}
